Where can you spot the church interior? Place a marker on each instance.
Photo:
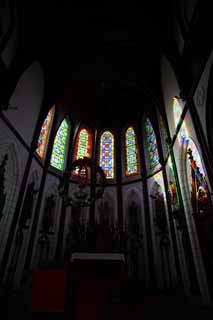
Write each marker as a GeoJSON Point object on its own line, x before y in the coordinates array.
{"type": "Point", "coordinates": [106, 157]}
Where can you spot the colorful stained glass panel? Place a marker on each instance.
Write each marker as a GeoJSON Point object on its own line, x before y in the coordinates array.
{"type": "Point", "coordinates": [44, 134]}
{"type": "Point", "coordinates": [151, 144]}
{"type": "Point", "coordinates": [59, 146]}
{"type": "Point", "coordinates": [83, 145]}
{"type": "Point", "coordinates": [83, 148]}
{"type": "Point", "coordinates": [131, 152]}
{"type": "Point", "coordinates": [107, 154]}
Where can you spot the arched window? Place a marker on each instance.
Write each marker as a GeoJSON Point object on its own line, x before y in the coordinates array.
{"type": "Point", "coordinates": [59, 146]}
{"type": "Point", "coordinates": [82, 147]}
{"type": "Point", "coordinates": [131, 152]}
{"type": "Point", "coordinates": [44, 134]}
{"type": "Point", "coordinates": [107, 154]}
{"type": "Point", "coordinates": [151, 145]}
{"type": "Point", "coordinates": [83, 144]}
{"type": "Point", "coordinates": [177, 110]}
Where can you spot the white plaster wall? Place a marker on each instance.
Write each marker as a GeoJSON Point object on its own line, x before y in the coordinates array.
{"type": "Point", "coordinates": [27, 97]}
{"type": "Point", "coordinates": [182, 163]}
{"type": "Point", "coordinates": [200, 95]}
{"type": "Point", "coordinates": [170, 88]}
{"type": "Point", "coordinates": [179, 149]}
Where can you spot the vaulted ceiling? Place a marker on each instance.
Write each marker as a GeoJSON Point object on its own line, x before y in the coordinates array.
{"type": "Point", "coordinates": [100, 59]}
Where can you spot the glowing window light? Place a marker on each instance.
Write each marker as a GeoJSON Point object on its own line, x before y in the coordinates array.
{"type": "Point", "coordinates": [107, 154]}
{"type": "Point", "coordinates": [44, 134]}
{"type": "Point", "coordinates": [151, 144]}
{"type": "Point", "coordinates": [83, 148]}
{"type": "Point", "coordinates": [131, 152]}
{"type": "Point", "coordinates": [59, 146]}
{"type": "Point", "coordinates": [83, 145]}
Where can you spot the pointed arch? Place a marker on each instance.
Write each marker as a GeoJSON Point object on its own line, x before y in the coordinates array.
{"type": "Point", "coordinates": [151, 145]}
{"type": "Point", "coordinates": [83, 147]}
{"type": "Point", "coordinates": [107, 154]}
{"type": "Point", "coordinates": [131, 152]}
{"type": "Point", "coordinates": [44, 134]}
{"type": "Point", "coordinates": [60, 145]}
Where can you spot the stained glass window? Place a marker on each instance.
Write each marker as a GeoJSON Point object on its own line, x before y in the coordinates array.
{"type": "Point", "coordinates": [59, 146]}
{"type": "Point", "coordinates": [44, 134]}
{"type": "Point", "coordinates": [107, 154]}
{"type": "Point", "coordinates": [177, 109]}
{"type": "Point", "coordinates": [151, 144]}
{"type": "Point", "coordinates": [131, 152]}
{"type": "Point", "coordinates": [83, 148]}
{"type": "Point", "coordinates": [83, 145]}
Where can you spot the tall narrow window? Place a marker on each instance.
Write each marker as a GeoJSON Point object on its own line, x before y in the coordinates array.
{"type": "Point", "coordinates": [83, 144]}
{"type": "Point", "coordinates": [44, 134]}
{"type": "Point", "coordinates": [131, 152]}
{"type": "Point", "coordinates": [107, 154]}
{"type": "Point", "coordinates": [82, 148]}
{"type": "Point", "coordinates": [151, 145]}
{"type": "Point", "coordinates": [59, 146]}
{"type": "Point", "coordinates": [177, 110]}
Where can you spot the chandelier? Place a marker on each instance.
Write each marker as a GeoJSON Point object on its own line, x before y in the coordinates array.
{"type": "Point", "coordinates": [80, 170]}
